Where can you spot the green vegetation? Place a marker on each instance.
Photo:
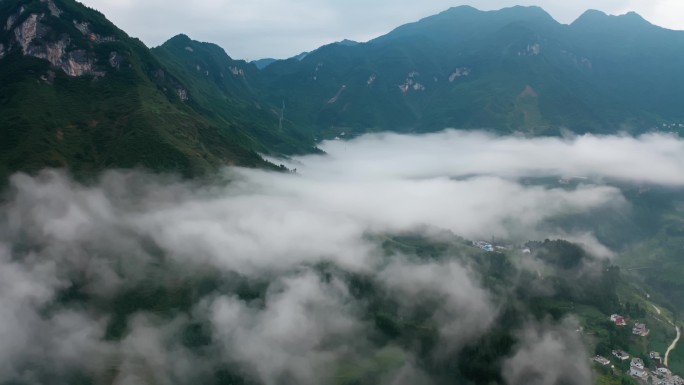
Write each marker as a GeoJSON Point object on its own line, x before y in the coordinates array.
{"type": "Point", "coordinates": [514, 70]}
{"type": "Point", "coordinates": [187, 107]}
{"type": "Point", "coordinates": [130, 115]}
{"type": "Point", "coordinates": [227, 92]}
{"type": "Point", "coordinates": [398, 334]}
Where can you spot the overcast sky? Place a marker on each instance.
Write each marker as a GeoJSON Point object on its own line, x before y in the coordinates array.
{"type": "Point", "coordinates": [254, 29]}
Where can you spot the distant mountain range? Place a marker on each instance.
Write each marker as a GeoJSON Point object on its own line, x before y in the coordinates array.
{"type": "Point", "coordinates": [515, 69]}
{"type": "Point", "coordinates": [77, 92]}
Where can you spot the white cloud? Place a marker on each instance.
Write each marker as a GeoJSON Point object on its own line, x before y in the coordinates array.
{"type": "Point", "coordinates": [305, 327]}
{"type": "Point", "coordinates": [649, 158]}
{"type": "Point", "coordinates": [464, 306]}
{"type": "Point", "coordinates": [131, 228]}
{"type": "Point", "coordinates": [549, 354]}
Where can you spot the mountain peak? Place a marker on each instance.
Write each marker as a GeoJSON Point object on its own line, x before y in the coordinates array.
{"type": "Point", "coordinates": [465, 21]}
{"type": "Point", "coordinates": [599, 18]}
{"type": "Point", "coordinates": [463, 9]}
{"type": "Point", "coordinates": [590, 16]}
{"type": "Point", "coordinates": [183, 41]}
{"type": "Point", "coordinates": [634, 18]}
{"type": "Point", "coordinates": [518, 11]}
{"type": "Point", "coordinates": [347, 42]}
{"type": "Point", "coordinates": [181, 37]}
{"type": "Point", "coordinates": [531, 10]}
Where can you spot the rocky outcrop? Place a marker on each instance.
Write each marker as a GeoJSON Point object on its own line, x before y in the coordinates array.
{"type": "Point", "coordinates": [236, 71]}
{"type": "Point", "coordinates": [13, 19]}
{"type": "Point", "coordinates": [49, 77]}
{"type": "Point", "coordinates": [531, 50]}
{"type": "Point", "coordinates": [79, 63]}
{"type": "Point", "coordinates": [115, 60]}
{"type": "Point", "coordinates": [166, 80]}
{"type": "Point", "coordinates": [459, 72]}
{"type": "Point", "coordinates": [54, 52]}
{"type": "Point", "coordinates": [84, 28]}
{"type": "Point", "coordinates": [28, 31]}
{"type": "Point", "coordinates": [54, 11]}
{"type": "Point", "coordinates": [29, 35]}
{"type": "Point", "coordinates": [2, 51]}
{"type": "Point", "coordinates": [411, 83]}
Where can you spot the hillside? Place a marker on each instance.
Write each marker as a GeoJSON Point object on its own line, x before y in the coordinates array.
{"type": "Point", "coordinates": [516, 69]}
{"type": "Point", "coordinates": [77, 92]}
{"type": "Point", "coordinates": [228, 92]}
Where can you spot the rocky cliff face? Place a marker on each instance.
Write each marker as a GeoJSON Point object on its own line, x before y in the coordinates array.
{"type": "Point", "coordinates": [33, 34]}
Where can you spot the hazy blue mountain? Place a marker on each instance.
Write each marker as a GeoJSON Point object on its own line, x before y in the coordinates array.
{"type": "Point", "coordinates": [80, 93]}
{"type": "Point", "coordinates": [263, 63]}
{"type": "Point", "coordinates": [516, 69]}
{"type": "Point", "coordinates": [348, 43]}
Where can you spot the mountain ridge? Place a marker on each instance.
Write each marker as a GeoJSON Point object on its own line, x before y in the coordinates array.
{"type": "Point", "coordinates": [415, 68]}
{"type": "Point", "coordinates": [188, 105]}
{"type": "Point", "coordinates": [80, 93]}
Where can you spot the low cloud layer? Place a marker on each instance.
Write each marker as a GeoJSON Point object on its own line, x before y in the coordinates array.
{"type": "Point", "coordinates": [247, 261]}
{"type": "Point", "coordinates": [549, 354]}
{"type": "Point", "coordinates": [650, 158]}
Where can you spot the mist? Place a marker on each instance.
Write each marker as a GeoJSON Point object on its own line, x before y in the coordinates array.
{"type": "Point", "coordinates": [258, 264]}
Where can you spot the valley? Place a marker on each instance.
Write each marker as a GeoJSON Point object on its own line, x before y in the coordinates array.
{"type": "Point", "coordinates": [476, 197]}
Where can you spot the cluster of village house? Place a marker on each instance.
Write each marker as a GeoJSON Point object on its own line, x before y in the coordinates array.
{"type": "Point", "coordinates": [486, 246]}
{"type": "Point", "coordinates": [661, 376]}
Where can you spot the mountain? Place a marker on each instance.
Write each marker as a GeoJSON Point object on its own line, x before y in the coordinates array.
{"type": "Point", "coordinates": [263, 63]}
{"type": "Point", "coordinates": [515, 69]}
{"type": "Point", "coordinates": [77, 92]}
{"type": "Point", "coordinates": [228, 92]}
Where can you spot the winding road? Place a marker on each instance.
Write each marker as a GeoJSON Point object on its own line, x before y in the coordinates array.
{"type": "Point", "coordinates": [673, 345]}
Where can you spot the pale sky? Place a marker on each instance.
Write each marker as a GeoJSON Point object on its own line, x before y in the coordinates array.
{"type": "Point", "coordinates": [254, 29]}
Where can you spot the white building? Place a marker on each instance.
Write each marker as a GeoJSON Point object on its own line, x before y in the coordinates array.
{"type": "Point", "coordinates": [663, 371]}
{"type": "Point", "coordinates": [636, 368]}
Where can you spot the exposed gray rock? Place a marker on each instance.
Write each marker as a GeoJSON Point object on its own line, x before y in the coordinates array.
{"type": "Point", "coordinates": [79, 63]}
{"type": "Point", "coordinates": [10, 22]}
{"type": "Point", "coordinates": [101, 39]}
{"type": "Point", "coordinates": [49, 77]}
{"type": "Point", "coordinates": [54, 11]}
{"type": "Point", "coordinates": [2, 51]}
{"type": "Point", "coordinates": [75, 63]}
{"type": "Point", "coordinates": [29, 30]}
{"type": "Point", "coordinates": [182, 94]}
{"type": "Point", "coordinates": [84, 28]}
{"type": "Point", "coordinates": [13, 19]}
{"type": "Point", "coordinates": [54, 52]}
{"type": "Point", "coordinates": [115, 60]}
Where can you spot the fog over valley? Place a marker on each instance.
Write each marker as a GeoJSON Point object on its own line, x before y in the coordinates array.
{"type": "Point", "coordinates": [360, 267]}
{"type": "Point", "coordinates": [447, 194]}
